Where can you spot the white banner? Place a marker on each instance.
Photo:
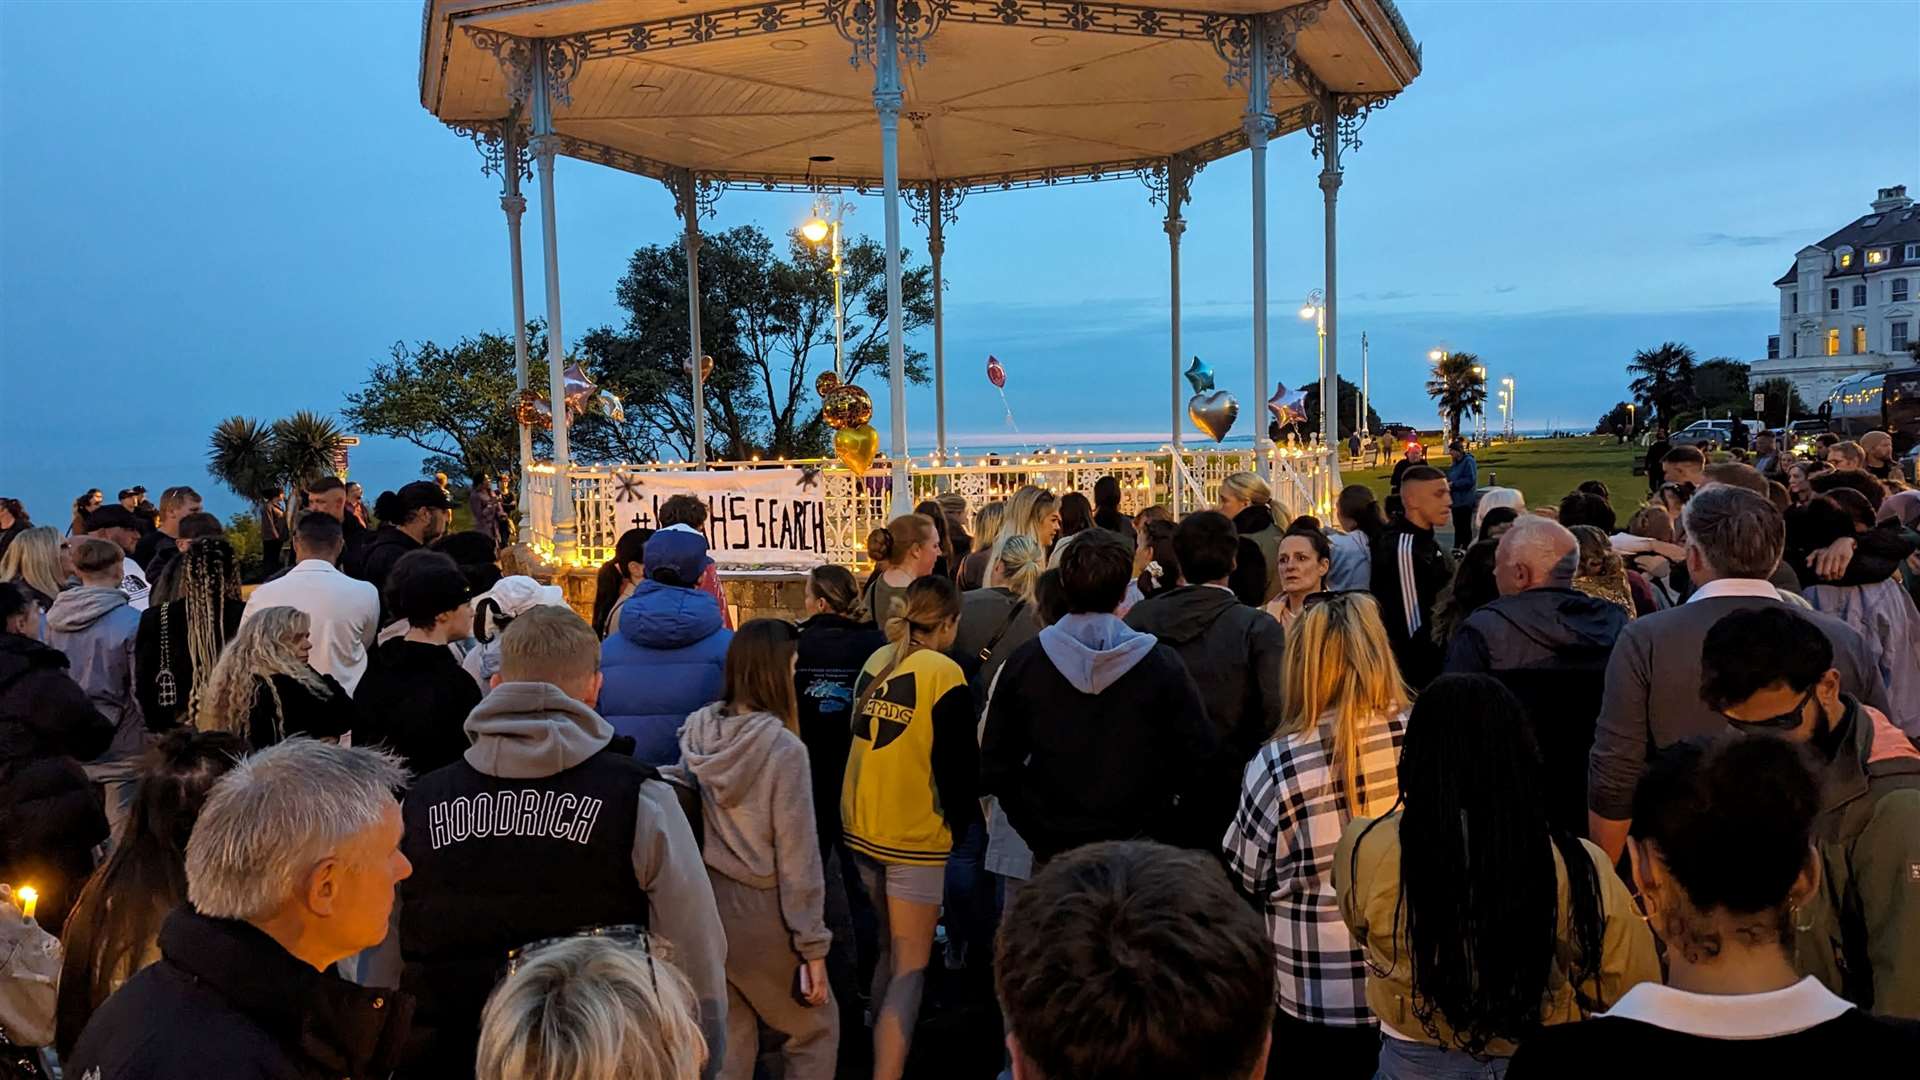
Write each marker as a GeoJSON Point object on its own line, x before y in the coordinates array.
{"type": "Point", "coordinates": [755, 517]}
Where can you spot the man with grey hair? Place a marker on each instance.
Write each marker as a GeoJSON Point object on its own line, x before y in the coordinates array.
{"type": "Point", "coordinates": [291, 868]}
{"type": "Point", "coordinates": [546, 828]}
{"type": "Point", "coordinates": [1548, 642]}
{"type": "Point", "coordinates": [1652, 696]}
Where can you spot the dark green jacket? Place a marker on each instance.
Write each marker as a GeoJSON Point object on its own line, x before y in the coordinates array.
{"type": "Point", "coordinates": [1864, 941]}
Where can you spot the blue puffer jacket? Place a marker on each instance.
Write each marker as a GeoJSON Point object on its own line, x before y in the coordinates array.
{"type": "Point", "coordinates": [662, 662]}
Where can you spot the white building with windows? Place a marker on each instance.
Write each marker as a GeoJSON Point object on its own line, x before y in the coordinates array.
{"type": "Point", "coordinates": [1848, 306]}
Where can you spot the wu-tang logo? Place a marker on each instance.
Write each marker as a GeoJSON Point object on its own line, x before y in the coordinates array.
{"type": "Point", "coordinates": [891, 710]}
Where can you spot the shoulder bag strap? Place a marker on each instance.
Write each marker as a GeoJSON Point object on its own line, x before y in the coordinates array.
{"type": "Point", "coordinates": [986, 650]}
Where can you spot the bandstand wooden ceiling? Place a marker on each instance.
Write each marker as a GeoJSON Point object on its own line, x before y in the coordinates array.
{"type": "Point", "coordinates": [1011, 91]}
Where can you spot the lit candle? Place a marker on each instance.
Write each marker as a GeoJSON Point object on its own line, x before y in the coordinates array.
{"type": "Point", "coordinates": [29, 898]}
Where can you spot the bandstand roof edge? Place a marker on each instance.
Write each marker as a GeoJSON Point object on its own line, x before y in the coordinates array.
{"type": "Point", "coordinates": [1006, 93]}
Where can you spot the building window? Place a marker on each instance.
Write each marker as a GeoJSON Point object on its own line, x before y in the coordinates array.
{"type": "Point", "coordinates": [1877, 256]}
{"type": "Point", "coordinates": [1793, 345]}
{"type": "Point", "coordinates": [1833, 299]}
{"type": "Point", "coordinates": [1773, 347]}
{"type": "Point", "coordinates": [1896, 336]}
{"type": "Point", "coordinates": [1846, 259]}
{"type": "Point", "coordinates": [1859, 340]}
{"type": "Point", "coordinates": [1859, 296]}
{"type": "Point", "coordinates": [1897, 290]}
{"type": "Point", "coordinates": [1796, 303]}
{"type": "Point", "coordinates": [1833, 342]}
{"type": "Point", "coordinates": [1913, 252]}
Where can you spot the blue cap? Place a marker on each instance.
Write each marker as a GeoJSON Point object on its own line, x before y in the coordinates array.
{"type": "Point", "coordinates": [683, 552]}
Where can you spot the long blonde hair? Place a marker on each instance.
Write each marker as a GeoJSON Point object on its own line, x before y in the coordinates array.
{"type": "Point", "coordinates": [34, 557]}
{"type": "Point", "coordinates": [262, 649]}
{"type": "Point", "coordinates": [1247, 487]}
{"type": "Point", "coordinates": [1338, 661]}
{"type": "Point", "coordinates": [209, 581]}
{"type": "Point", "coordinates": [1026, 512]}
{"type": "Point", "coordinates": [929, 602]}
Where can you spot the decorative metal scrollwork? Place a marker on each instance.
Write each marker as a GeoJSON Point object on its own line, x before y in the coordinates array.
{"type": "Point", "coordinates": [914, 21]}
{"type": "Point", "coordinates": [513, 54]}
{"type": "Point", "coordinates": [1169, 181]}
{"type": "Point", "coordinates": [920, 200]}
{"type": "Point", "coordinates": [487, 138]}
{"type": "Point", "coordinates": [774, 17]}
{"type": "Point", "coordinates": [564, 55]}
{"type": "Point", "coordinates": [685, 184]}
{"type": "Point", "coordinates": [1350, 115]}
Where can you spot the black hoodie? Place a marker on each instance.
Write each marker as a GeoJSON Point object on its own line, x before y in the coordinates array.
{"type": "Point", "coordinates": [831, 651]}
{"type": "Point", "coordinates": [49, 819]}
{"type": "Point", "coordinates": [1233, 651]}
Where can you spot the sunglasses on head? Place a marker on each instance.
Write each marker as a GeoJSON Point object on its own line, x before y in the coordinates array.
{"type": "Point", "coordinates": [626, 935]}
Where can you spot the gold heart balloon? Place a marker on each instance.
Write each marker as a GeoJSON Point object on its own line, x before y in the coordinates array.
{"type": "Point", "coordinates": [847, 407]}
{"type": "Point", "coordinates": [856, 446]}
{"type": "Point", "coordinates": [706, 368]}
{"type": "Point", "coordinates": [1214, 413]}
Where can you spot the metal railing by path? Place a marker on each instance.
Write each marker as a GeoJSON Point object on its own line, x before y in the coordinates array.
{"type": "Point", "coordinates": [855, 505]}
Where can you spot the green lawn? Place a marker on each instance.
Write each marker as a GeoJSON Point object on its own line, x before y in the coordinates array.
{"type": "Point", "coordinates": [1543, 469]}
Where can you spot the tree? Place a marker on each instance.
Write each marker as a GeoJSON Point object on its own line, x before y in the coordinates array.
{"type": "Point", "coordinates": [456, 402]}
{"type": "Point", "coordinates": [1458, 387]}
{"type": "Point", "coordinates": [767, 321]}
{"type": "Point", "coordinates": [254, 460]}
{"type": "Point", "coordinates": [1622, 421]}
{"type": "Point", "coordinates": [1720, 387]}
{"type": "Point", "coordinates": [1349, 396]}
{"type": "Point", "coordinates": [1663, 380]}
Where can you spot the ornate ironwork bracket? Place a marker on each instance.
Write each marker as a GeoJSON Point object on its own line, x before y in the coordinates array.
{"type": "Point", "coordinates": [1233, 38]}
{"type": "Point", "coordinates": [489, 138]}
{"type": "Point", "coordinates": [685, 184]}
{"type": "Point", "coordinates": [1169, 180]}
{"type": "Point", "coordinates": [1350, 113]}
{"type": "Point", "coordinates": [515, 55]}
{"type": "Point", "coordinates": [914, 21]}
{"type": "Point", "coordinates": [658, 35]}
{"type": "Point", "coordinates": [919, 198]}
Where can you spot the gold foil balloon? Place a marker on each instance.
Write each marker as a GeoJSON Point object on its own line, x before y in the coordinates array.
{"type": "Point", "coordinates": [855, 446]}
{"type": "Point", "coordinates": [826, 382]}
{"type": "Point", "coordinates": [1214, 413]}
{"type": "Point", "coordinates": [847, 407]}
{"type": "Point", "coordinates": [706, 368]}
{"type": "Point", "coordinates": [525, 407]}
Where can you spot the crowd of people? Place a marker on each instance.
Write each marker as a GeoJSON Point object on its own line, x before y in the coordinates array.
{"type": "Point", "coordinates": [1442, 786]}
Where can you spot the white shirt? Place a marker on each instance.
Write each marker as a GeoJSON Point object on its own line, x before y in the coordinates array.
{"type": "Point", "coordinates": [1768, 1015]}
{"type": "Point", "coordinates": [1735, 587]}
{"type": "Point", "coordinates": [133, 582]}
{"type": "Point", "coordinates": [345, 614]}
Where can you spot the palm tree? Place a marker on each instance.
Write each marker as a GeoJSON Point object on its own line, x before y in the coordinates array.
{"type": "Point", "coordinates": [240, 455]}
{"type": "Point", "coordinates": [1664, 381]}
{"type": "Point", "coordinates": [304, 445]}
{"type": "Point", "coordinates": [1459, 387]}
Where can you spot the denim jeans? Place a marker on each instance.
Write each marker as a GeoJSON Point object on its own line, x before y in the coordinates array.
{"type": "Point", "coordinates": [970, 900]}
{"type": "Point", "coordinates": [1403, 1060]}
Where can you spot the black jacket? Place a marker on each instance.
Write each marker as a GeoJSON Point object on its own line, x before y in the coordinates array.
{"type": "Point", "coordinates": [414, 699]}
{"type": "Point", "coordinates": [148, 662]}
{"type": "Point", "coordinates": [1409, 570]}
{"type": "Point", "coordinates": [226, 1000]}
{"type": "Point", "coordinates": [1877, 552]}
{"type": "Point", "coordinates": [1550, 647]}
{"type": "Point", "coordinates": [300, 712]}
{"type": "Point", "coordinates": [49, 818]}
{"type": "Point", "coordinates": [831, 651]}
{"type": "Point", "coordinates": [1073, 768]}
{"type": "Point", "coordinates": [154, 550]}
{"type": "Point", "coordinates": [1256, 565]}
{"type": "Point", "coordinates": [382, 550]}
{"type": "Point", "coordinates": [994, 620]}
{"type": "Point", "coordinates": [1233, 651]}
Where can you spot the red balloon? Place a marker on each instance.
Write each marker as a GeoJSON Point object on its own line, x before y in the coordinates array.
{"type": "Point", "coordinates": [996, 374]}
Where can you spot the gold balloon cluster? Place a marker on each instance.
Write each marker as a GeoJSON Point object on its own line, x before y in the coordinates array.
{"type": "Point", "coordinates": [847, 408]}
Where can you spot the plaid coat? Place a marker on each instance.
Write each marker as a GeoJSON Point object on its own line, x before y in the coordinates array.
{"type": "Point", "coordinates": [1280, 851]}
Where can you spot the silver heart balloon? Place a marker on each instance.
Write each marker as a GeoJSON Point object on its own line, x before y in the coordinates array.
{"type": "Point", "coordinates": [611, 406]}
{"type": "Point", "coordinates": [1214, 413]}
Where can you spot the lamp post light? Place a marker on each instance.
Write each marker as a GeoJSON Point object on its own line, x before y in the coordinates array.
{"type": "Point", "coordinates": [1315, 310]}
{"type": "Point", "coordinates": [828, 216]}
{"type": "Point", "coordinates": [1508, 383]}
{"type": "Point", "coordinates": [1480, 414]}
{"type": "Point", "coordinates": [1439, 356]}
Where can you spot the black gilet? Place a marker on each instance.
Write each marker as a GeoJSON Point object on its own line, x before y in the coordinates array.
{"type": "Point", "coordinates": [501, 863]}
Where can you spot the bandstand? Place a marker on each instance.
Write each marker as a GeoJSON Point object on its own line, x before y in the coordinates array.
{"type": "Point", "coordinates": [810, 95]}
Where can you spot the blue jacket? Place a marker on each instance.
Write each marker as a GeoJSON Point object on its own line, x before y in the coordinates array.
{"type": "Point", "coordinates": [1463, 477]}
{"type": "Point", "coordinates": [663, 661]}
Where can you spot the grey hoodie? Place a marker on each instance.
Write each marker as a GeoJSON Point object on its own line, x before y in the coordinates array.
{"type": "Point", "coordinates": [1092, 651]}
{"type": "Point", "coordinates": [95, 626]}
{"type": "Point", "coordinates": [756, 798]}
{"type": "Point", "coordinates": [527, 730]}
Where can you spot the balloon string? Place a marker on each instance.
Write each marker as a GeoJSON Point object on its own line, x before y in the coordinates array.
{"type": "Point", "coordinates": [1010, 421]}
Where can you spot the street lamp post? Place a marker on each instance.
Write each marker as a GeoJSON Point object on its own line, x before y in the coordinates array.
{"type": "Point", "coordinates": [1439, 357]}
{"type": "Point", "coordinates": [820, 227]}
{"type": "Point", "coordinates": [1480, 414]}
{"type": "Point", "coordinates": [1508, 383]}
{"type": "Point", "coordinates": [1315, 309]}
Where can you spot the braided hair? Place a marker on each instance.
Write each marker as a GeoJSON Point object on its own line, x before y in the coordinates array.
{"type": "Point", "coordinates": [209, 579]}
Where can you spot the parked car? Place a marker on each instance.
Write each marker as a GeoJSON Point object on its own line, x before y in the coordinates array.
{"type": "Point", "coordinates": [1705, 434]}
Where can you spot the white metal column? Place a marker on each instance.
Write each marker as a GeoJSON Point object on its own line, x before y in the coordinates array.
{"type": "Point", "coordinates": [1179, 178]}
{"type": "Point", "coordinates": [544, 147]}
{"type": "Point", "coordinates": [1330, 378]}
{"type": "Point", "coordinates": [515, 205]}
{"type": "Point", "coordinates": [936, 247]}
{"type": "Point", "coordinates": [887, 98]}
{"type": "Point", "coordinates": [690, 213]}
{"type": "Point", "coordinates": [1256, 122]}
